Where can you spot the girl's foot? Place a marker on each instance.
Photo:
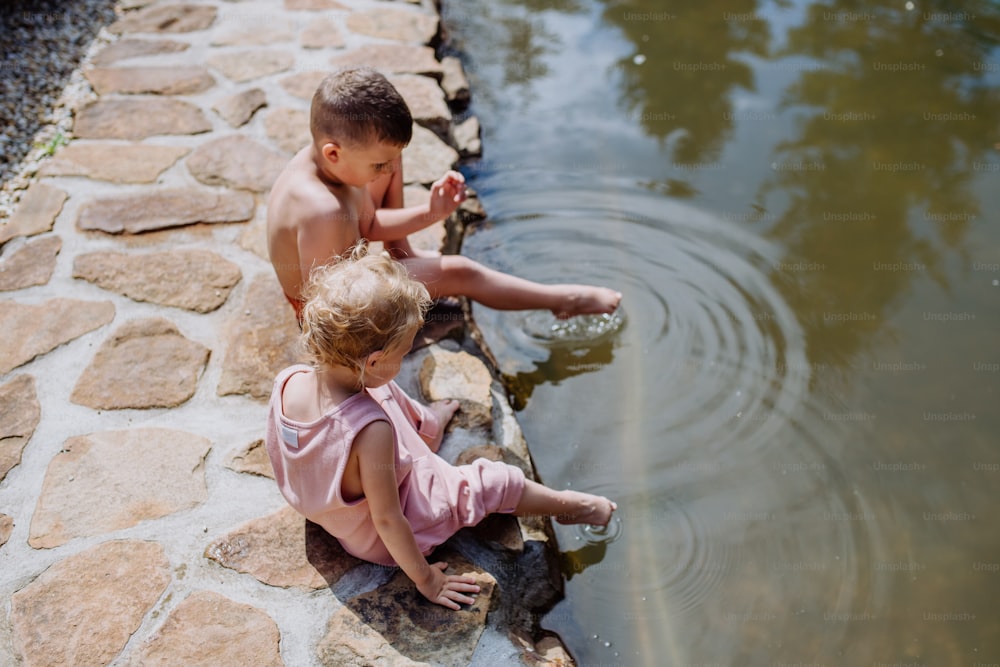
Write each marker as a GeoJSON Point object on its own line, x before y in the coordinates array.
{"type": "Point", "coordinates": [586, 300]}
{"type": "Point", "coordinates": [444, 410]}
{"type": "Point", "coordinates": [586, 508]}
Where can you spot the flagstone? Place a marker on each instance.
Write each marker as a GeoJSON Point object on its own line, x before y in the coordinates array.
{"type": "Point", "coordinates": [467, 137]}
{"type": "Point", "coordinates": [426, 101]}
{"type": "Point", "coordinates": [237, 162]}
{"type": "Point", "coordinates": [125, 49]}
{"type": "Point", "coordinates": [313, 4]}
{"type": "Point", "coordinates": [243, 66]}
{"type": "Point", "coordinates": [20, 413]}
{"type": "Point", "coordinates": [173, 18]}
{"type": "Point", "coordinates": [144, 364]}
{"type": "Point", "coordinates": [322, 33]}
{"type": "Point", "coordinates": [138, 118]}
{"type": "Point", "coordinates": [6, 528]}
{"type": "Point", "coordinates": [33, 330]}
{"type": "Point", "coordinates": [261, 340]}
{"type": "Point", "coordinates": [303, 84]}
{"type": "Point", "coordinates": [251, 459]}
{"type": "Point", "coordinates": [31, 264]}
{"type": "Point", "coordinates": [163, 209]}
{"type": "Point", "coordinates": [283, 549]}
{"type": "Point", "coordinates": [191, 278]}
{"type": "Point", "coordinates": [392, 59]}
{"type": "Point", "coordinates": [396, 24]}
{"type": "Point", "coordinates": [288, 128]}
{"type": "Point", "coordinates": [238, 109]}
{"type": "Point", "coordinates": [35, 213]}
{"type": "Point", "coordinates": [427, 158]}
{"type": "Point", "coordinates": [153, 472]}
{"type": "Point", "coordinates": [118, 163]}
{"type": "Point", "coordinates": [254, 30]}
{"type": "Point", "coordinates": [158, 80]}
{"type": "Point", "coordinates": [82, 610]}
{"type": "Point", "coordinates": [210, 630]}
{"type": "Point", "coordinates": [454, 82]}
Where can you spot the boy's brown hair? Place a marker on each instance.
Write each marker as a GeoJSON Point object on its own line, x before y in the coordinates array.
{"type": "Point", "coordinates": [357, 106]}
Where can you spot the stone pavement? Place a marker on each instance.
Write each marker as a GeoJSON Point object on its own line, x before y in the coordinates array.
{"type": "Point", "coordinates": [142, 328]}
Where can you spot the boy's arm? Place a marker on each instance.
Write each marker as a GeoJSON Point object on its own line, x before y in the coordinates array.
{"type": "Point", "coordinates": [375, 449]}
{"type": "Point", "coordinates": [392, 224]}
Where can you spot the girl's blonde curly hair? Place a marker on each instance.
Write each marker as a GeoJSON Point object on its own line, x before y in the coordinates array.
{"type": "Point", "coordinates": [358, 305]}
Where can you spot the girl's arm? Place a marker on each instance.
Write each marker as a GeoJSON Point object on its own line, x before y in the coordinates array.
{"type": "Point", "coordinates": [375, 449]}
{"type": "Point", "coordinates": [393, 224]}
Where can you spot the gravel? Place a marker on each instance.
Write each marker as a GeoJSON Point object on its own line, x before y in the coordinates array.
{"type": "Point", "coordinates": [42, 42]}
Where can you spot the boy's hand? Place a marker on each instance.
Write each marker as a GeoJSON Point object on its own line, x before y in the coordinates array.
{"type": "Point", "coordinates": [446, 194]}
{"type": "Point", "coordinates": [447, 589]}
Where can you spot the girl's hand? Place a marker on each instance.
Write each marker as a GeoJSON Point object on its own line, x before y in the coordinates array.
{"type": "Point", "coordinates": [447, 589]}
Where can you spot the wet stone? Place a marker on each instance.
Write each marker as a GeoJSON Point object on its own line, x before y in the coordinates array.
{"type": "Point", "coordinates": [236, 162]}
{"type": "Point", "coordinates": [35, 213]}
{"type": "Point", "coordinates": [129, 163]}
{"type": "Point", "coordinates": [261, 340]}
{"type": "Point", "coordinates": [164, 209]}
{"type": "Point", "coordinates": [251, 459]}
{"type": "Point", "coordinates": [33, 330]}
{"type": "Point", "coordinates": [210, 630]}
{"type": "Point", "coordinates": [83, 609]}
{"type": "Point", "coordinates": [395, 625]}
{"type": "Point", "coordinates": [454, 82]}
{"type": "Point", "coordinates": [238, 109]}
{"type": "Point", "coordinates": [153, 472]}
{"type": "Point", "coordinates": [243, 66]}
{"type": "Point", "coordinates": [283, 550]}
{"type": "Point", "coordinates": [427, 158]}
{"type": "Point", "coordinates": [303, 84]}
{"type": "Point", "coordinates": [396, 24]}
{"type": "Point", "coordinates": [392, 59]}
{"type": "Point", "coordinates": [19, 415]}
{"type": "Point", "coordinates": [143, 364]}
{"type": "Point", "coordinates": [322, 33]}
{"type": "Point", "coordinates": [31, 264]}
{"type": "Point", "coordinates": [126, 49]}
{"type": "Point", "coordinates": [194, 279]}
{"type": "Point", "coordinates": [137, 118]}
{"type": "Point", "coordinates": [459, 375]}
{"type": "Point", "coordinates": [426, 101]}
{"type": "Point", "coordinates": [467, 137]}
{"type": "Point", "coordinates": [288, 128]}
{"type": "Point", "coordinates": [173, 18]}
{"type": "Point", "coordinates": [165, 80]}
{"type": "Point", "coordinates": [6, 528]}
{"type": "Point", "coordinates": [254, 30]}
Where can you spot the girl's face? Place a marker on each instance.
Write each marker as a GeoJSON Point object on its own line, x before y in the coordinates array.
{"type": "Point", "coordinates": [383, 366]}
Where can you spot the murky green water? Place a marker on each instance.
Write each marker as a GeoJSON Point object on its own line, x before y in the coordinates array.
{"type": "Point", "coordinates": [798, 416]}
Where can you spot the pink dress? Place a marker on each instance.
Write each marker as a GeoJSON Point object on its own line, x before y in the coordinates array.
{"type": "Point", "coordinates": [437, 498]}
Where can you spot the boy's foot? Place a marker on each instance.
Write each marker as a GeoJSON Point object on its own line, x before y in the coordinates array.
{"type": "Point", "coordinates": [587, 508]}
{"type": "Point", "coordinates": [444, 410]}
{"type": "Point", "coordinates": [587, 300]}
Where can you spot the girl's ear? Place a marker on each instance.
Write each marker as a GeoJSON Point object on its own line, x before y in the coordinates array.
{"type": "Point", "coordinates": [374, 357]}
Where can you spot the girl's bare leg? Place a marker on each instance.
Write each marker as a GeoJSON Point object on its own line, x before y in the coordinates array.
{"type": "Point", "coordinates": [454, 275]}
{"type": "Point", "coordinates": [564, 506]}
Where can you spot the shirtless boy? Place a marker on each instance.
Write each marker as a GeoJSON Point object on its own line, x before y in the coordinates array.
{"type": "Point", "coordinates": [347, 185]}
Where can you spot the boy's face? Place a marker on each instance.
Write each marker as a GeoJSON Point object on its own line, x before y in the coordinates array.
{"type": "Point", "coordinates": [360, 165]}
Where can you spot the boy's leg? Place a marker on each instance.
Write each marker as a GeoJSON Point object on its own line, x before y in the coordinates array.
{"type": "Point", "coordinates": [455, 275]}
{"type": "Point", "coordinates": [564, 506]}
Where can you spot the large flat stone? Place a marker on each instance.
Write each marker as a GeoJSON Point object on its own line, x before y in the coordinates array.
{"type": "Point", "coordinates": [35, 213]}
{"type": "Point", "coordinates": [401, 25]}
{"type": "Point", "coordinates": [137, 118]}
{"type": "Point", "coordinates": [236, 162]}
{"type": "Point", "coordinates": [322, 33]}
{"type": "Point", "coordinates": [392, 59]}
{"type": "Point", "coordinates": [254, 29]}
{"type": "Point", "coordinates": [125, 49]}
{"type": "Point", "coordinates": [261, 340]}
{"type": "Point", "coordinates": [303, 84]}
{"type": "Point", "coordinates": [19, 415]}
{"type": "Point", "coordinates": [427, 158]}
{"type": "Point", "coordinates": [163, 209]}
{"type": "Point", "coordinates": [243, 66]}
{"type": "Point", "coordinates": [192, 278]}
{"type": "Point", "coordinates": [129, 163]}
{"type": "Point", "coordinates": [395, 625]}
{"type": "Point", "coordinates": [288, 128]}
{"type": "Point", "coordinates": [238, 109]}
{"type": "Point", "coordinates": [459, 375]}
{"type": "Point", "coordinates": [158, 80]}
{"type": "Point", "coordinates": [210, 630]}
{"type": "Point", "coordinates": [6, 528]}
{"type": "Point", "coordinates": [138, 474]}
{"type": "Point", "coordinates": [31, 264]}
{"type": "Point", "coordinates": [33, 330]}
{"type": "Point", "coordinates": [82, 610]}
{"type": "Point", "coordinates": [143, 364]}
{"type": "Point", "coordinates": [283, 550]}
{"type": "Point", "coordinates": [426, 101]}
{"type": "Point", "coordinates": [251, 459]}
{"type": "Point", "coordinates": [173, 18]}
